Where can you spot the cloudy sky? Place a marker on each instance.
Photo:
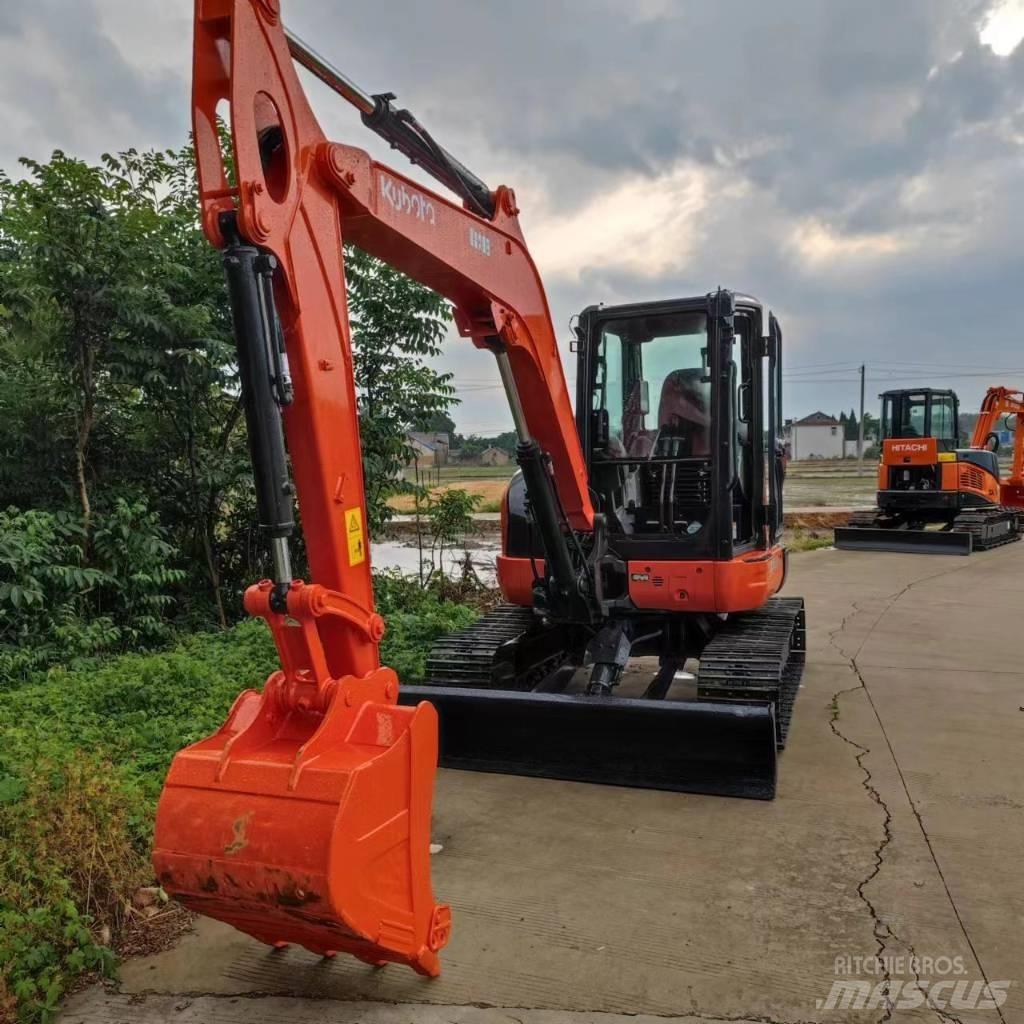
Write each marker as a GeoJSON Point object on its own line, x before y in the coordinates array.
{"type": "Point", "coordinates": [858, 164]}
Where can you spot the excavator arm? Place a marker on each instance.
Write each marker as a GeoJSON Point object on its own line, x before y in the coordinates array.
{"type": "Point", "coordinates": [998, 403]}
{"type": "Point", "coordinates": [300, 196]}
{"type": "Point", "coordinates": [326, 745]}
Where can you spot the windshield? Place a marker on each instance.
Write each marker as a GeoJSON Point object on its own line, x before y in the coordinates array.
{"type": "Point", "coordinates": [651, 379]}
{"type": "Point", "coordinates": [943, 418]}
{"type": "Point", "coordinates": [912, 418]}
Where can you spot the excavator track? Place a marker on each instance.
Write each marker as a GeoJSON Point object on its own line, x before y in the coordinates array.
{"type": "Point", "coordinates": [868, 519]}
{"type": "Point", "coordinates": [988, 527]}
{"type": "Point", "coordinates": [506, 649]}
{"type": "Point", "coordinates": [875, 530]}
{"type": "Point", "coordinates": [758, 656]}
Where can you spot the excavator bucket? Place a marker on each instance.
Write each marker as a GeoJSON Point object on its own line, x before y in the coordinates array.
{"type": "Point", "coordinates": [921, 542]}
{"type": "Point", "coordinates": [300, 827]}
{"type": "Point", "coordinates": [714, 747]}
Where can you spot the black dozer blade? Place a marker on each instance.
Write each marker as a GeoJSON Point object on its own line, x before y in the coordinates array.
{"type": "Point", "coordinates": [714, 747]}
{"type": "Point", "coordinates": [922, 542]}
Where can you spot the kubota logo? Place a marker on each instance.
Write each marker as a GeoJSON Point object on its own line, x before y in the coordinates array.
{"type": "Point", "coordinates": [910, 447]}
{"type": "Point", "coordinates": [406, 201]}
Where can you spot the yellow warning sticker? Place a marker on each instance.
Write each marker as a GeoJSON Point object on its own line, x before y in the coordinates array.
{"type": "Point", "coordinates": [356, 540]}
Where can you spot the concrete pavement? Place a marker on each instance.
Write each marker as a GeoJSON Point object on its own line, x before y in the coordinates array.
{"type": "Point", "coordinates": [897, 831]}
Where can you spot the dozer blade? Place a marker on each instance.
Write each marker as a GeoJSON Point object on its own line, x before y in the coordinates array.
{"type": "Point", "coordinates": [713, 747]}
{"type": "Point", "coordinates": [314, 829]}
{"type": "Point", "coordinates": [922, 542]}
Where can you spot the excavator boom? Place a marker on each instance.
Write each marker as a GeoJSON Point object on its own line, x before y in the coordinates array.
{"type": "Point", "coordinates": [998, 404]}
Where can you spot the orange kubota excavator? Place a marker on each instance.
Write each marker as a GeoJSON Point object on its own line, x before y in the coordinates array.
{"type": "Point", "coordinates": [638, 526]}
{"type": "Point", "coordinates": [1000, 404]}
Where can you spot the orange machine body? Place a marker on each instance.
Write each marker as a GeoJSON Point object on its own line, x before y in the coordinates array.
{"type": "Point", "coordinates": [998, 404]}
{"type": "Point", "coordinates": [738, 585]}
{"type": "Point", "coordinates": [953, 474]}
{"type": "Point", "coordinates": [919, 451]}
{"type": "Point", "coordinates": [306, 817]}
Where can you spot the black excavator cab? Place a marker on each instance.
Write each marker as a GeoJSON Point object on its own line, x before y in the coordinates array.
{"type": "Point", "coordinates": [678, 408]}
{"type": "Point", "coordinates": [922, 412]}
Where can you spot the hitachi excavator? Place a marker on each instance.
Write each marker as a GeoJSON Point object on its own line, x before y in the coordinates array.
{"type": "Point", "coordinates": [934, 497]}
{"type": "Point", "coordinates": [1000, 404]}
{"type": "Point", "coordinates": [646, 525]}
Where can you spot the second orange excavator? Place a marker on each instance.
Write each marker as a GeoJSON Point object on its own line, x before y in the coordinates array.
{"type": "Point", "coordinates": [934, 496]}
{"type": "Point", "coordinates": [1002, 404]}
{"type": "Point", "coordinates": [647, 523]}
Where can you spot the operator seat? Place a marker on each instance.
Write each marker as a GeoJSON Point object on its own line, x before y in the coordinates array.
{"type": "Point", "coordinates": [683, 411]}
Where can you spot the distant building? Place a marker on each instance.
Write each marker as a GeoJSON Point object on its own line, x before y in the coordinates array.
{"type": "Point", "coordinates": [429, 448]}
{"type": "Point", "coordinates": [817, 436]}
{"type": "Point", "coordinates": [494, 457]}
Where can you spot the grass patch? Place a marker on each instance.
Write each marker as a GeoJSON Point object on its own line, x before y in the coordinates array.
{"type": "Point", "coordinates": [799, 539]}
{"type": "Point", "coordinates": [84, 757]}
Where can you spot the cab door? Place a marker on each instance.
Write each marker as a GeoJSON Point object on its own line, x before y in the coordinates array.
{"type": "Point", "coordinates": [774, 444]}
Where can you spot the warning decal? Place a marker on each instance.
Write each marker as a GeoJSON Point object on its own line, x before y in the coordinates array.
{"type": "Point", "coordinates": [356, 540]}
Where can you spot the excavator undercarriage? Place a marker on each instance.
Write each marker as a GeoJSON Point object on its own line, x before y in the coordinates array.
{"type": "Point", "coordinates": [511, 697]}
{"type": "Point", "coordinates": [968, 531]}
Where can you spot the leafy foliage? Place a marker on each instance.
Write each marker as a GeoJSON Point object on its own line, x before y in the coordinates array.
{"type": "Point", "coordinates": [115, 326]}
{"type": "Point", "coordinates": [85, 753]}
{"type": "Point", "coordinates": [397, 327]}
{"type": "Point", "coordinates": [470, 447]}
{"type": "Point", "coordinates": [127, 518]}
{"type": "Point", "coordinates": [53, 606]}
{"type": "Point", "coordinates": [415, 617]}
{"type": "Point", "coordinates": [449, 517]}
{"type": "Point", "coordinates": [66, 871]}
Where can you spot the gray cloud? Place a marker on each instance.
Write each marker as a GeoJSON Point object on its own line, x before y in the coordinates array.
{"type": "Point", "coordinates": [860, 160]}
{"type": "Point", "coordinates": [69, 85]}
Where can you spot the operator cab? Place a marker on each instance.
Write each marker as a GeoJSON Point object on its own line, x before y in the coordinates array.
{"type": "Point", "coordinates": [922, 412]}
{"type": "Point", "coordinates": [678, 407]}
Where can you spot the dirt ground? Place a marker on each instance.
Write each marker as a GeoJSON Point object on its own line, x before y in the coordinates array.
{"type": "Point", "coordinates": [489, 491]}
{"type": "Point", "coordinates": [815, 483]}
{"type": "Point", "coordinates": [897, 834]}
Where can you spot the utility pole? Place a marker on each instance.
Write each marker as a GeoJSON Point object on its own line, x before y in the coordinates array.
{"type": "Point", "coordinates": [860, 427]}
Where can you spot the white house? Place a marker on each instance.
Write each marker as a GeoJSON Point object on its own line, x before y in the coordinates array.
{"type": "Point", "coordinates": [817, 436]}
{"type": "Point", "coordinates": [428, 448]}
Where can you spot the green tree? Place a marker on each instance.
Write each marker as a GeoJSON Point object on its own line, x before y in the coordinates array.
{"type": "Point", "coordinates": [115, 326]}
{"type": "Point", "coordinates": [438, 422]}
{"type": "Point", "coordinates": [397, 327]}
{"type": "Point", "coordinates": [120, 383]}
{"type": "Point", "coordinates": [76, 284]}
{"type": "Point", "coordinates": [851, 426]}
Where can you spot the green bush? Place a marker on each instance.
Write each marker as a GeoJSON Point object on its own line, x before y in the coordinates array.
{"type": "Point", "coordinates": [57, 605]}
{"type": "Point", "coordinates": [84, 757]}
{"type": "Point", "coordinates": [415, 617]}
